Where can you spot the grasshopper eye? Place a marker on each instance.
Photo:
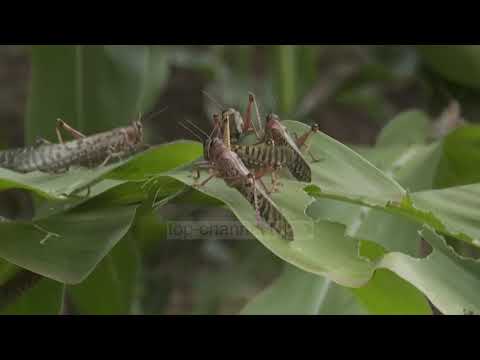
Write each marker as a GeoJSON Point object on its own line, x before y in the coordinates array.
{"type": "Point", "coordinates": [315, 128]}
{"type": "Point", "coordinates": [250, 180]}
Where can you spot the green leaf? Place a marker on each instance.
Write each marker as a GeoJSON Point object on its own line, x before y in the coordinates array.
{"type": "Point", "coordinates": [56, 187]}
{"type": "Point", "coordinates": [452, 283]}
{"type": "Point", "coordinates": [300, 293]}
{"type": "Point", "coordinates": [45, 298]}
{"type": "Point", "coordinates": [312, 250]}
{"type": "Point", "coordinates": [6, 270]}
{"type": "Point", "coordinates": [68, 246]}
{"type": "Point", "coordinates": [414, 167]}
{"type": "Point", "coordinates": [457, 211]}
{"type": "Point", "coordinates": [344, 173]}
{"type": "Point", "coordinates": [297, 292]}
{"type": "Point", "coordinates": [139, 167]}
{"type": "Point", "coordinates": [452, 212]}
{"type": "Point", "coordinates": [457, 63]}
{"type": "Point", "coordinates": [386, 293]}
{"type": "Point", "coordinates": [93, 88]}
{"type": "Point", "coordinates": [461, 150]}
{"type": "Point", "coordinates": [110, 289]}
{"type": "Point", "coordinates": [407, 128]}
{"type": "Point", "coordinates": [424, 207]}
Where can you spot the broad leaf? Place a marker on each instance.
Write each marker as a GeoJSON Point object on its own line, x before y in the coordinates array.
{"type": "Point", "coordinates": [65, 247]}
{"type": "Point", "coordinates": [451, 283]}
{"type": "Point", "coordinates": [457, 63]}
{"type": "Point", "coordinates": [44, 298]}
{"type": "Point", "coordinates": [297, 292]}
{"type": "Point", "coordinates": [407, 128]}
{"type": "Point", "coordinates": [112, 287]}
{"type": "Point", "coordinates": [461, 151]}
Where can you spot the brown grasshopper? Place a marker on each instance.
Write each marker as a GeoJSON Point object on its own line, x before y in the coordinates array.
{"type": "Point", "coordinates": [273, 129]}
{"type": "Point", "coordinates": [274, 150]}
{"type": "Point", "coordinates": [266, 157]}
{"type": "Point", "coordinates": [224, 163]}
{"type": "Point", "coordinates": [89, 151]}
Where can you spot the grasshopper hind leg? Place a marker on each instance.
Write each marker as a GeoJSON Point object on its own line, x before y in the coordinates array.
{"type": "Point", "coordinates": [258, 216]}
{"type": "Point", "coordinates": [276, 181]}
{"type": "Point", "coordinates": [315, 159]}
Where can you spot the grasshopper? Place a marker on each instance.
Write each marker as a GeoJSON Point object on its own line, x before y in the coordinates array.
{"type": "Point", "coordinates": [268, 157]}
{"type": "Point", "coordinates": [274, 150]}
{"type": "Point", "coordinates": [222, 162]}
{"type": "Point", "coordinates": [261, 158]}
{"type": "Point", "coordinates": [89, 151]}
{"type": "Point", "coordinates": [273, 128]}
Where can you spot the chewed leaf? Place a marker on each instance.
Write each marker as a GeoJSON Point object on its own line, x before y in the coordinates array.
{"type": "Point", "coordinates": [457, 209]}
{"type": "Point", "coordinates": [451, 283]}
{"type": "Point", "coordinates": [318, 247]}
{"type": "Point", "coordinates": [414, 168]}
{"type": "Point", "coordinates": [65, 247]}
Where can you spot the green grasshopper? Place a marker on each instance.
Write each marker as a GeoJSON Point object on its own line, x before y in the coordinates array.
{"type": "Point", "coordinates": [226, 164]}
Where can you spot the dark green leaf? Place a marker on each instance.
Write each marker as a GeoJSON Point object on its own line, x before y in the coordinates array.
{"type": "Point", "coordinates": [111, 288]}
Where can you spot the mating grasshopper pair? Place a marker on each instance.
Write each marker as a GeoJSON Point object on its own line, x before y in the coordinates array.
{"type": "Point", "coordinates": [275, 149]}
{"type": "Point", "coordinates": [89, 151]}
{"type": "Point", "coordinates": [242, 165]}
{"type": "Point", "coordinates": [223, 162]}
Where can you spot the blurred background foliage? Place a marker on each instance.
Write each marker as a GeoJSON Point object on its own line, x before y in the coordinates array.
{"type": "Point", "coordinates": [351, 91]}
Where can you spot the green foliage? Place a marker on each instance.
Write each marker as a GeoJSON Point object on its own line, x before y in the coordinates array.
{"type": "Point", "coordinates": [359, 226]}
{"type": "Point", "coordinates": [93, 88]}
{"type": "Point", "coordinates": [114, 282]}
{"type": "Point", "coordinates": [457, 63]}
{"type": "Point", "coordinates": [461, 150]}
{"type": "Point", "coordinates": [68, 246]}
{"type": "Point", "coordinates": [44, 298]}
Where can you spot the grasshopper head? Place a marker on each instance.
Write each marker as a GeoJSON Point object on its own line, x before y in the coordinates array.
{"type": "Point", "coordinates": [275, 129]}
{"type": "Point", "coordinates": [135, 133]}
{"type": "Point", "coordinates": [273, 122]}
{"type": "Point", "coordinates": [250, 181]}
{"type": "Point", "coordinates": [235, 121]}
{"type": "Point", "coordinates": [211, 147]}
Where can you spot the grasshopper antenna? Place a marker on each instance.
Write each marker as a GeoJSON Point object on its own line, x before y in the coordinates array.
{"type": "Point", "coordinates": [212, 99]}
{"type": "Point", "coordinates": [197, 127]}
{"type": "Point", "coordinates": [191, 132]}
{"type": "Point", "coordinates": [257, 113]}
{"type": "Point", "coordinates": [151, 114]}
